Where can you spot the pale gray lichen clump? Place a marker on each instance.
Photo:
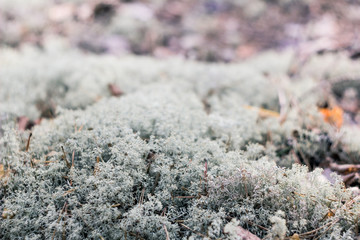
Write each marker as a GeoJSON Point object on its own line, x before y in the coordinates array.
{"type": "Point", "coordinates": [73, 80]}
{"type": "Point", "coordinates": [154, 161]}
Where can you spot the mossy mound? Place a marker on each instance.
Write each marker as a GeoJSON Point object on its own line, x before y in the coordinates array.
{"type": "Point", "coordinates": [179, 154]}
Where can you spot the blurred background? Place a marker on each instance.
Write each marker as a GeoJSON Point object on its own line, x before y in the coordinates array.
{"type": "Point", "coordinates": [205, 30]}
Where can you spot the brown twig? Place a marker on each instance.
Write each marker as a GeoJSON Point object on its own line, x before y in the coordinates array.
{"type": "Point", "coordinates": [297, 160]}
{"type": "Point", "coordinates": [96, 169]}
{"type": "Point", "coordinates": [332, 224]}
{"type": "Point", "coordinates": [150, 158]}
{"type": "Point", "coordinates": [348, 179]}
{"type": "Point", "coordinates": [185, 197]}
{"type": "Point", "coordinates": [205, 171]}
{"type": "Point", "coordinates": [351, 202]}
{"type": "Point", "coordinates": [166, 232]}
{"type": "Point", "coordinates": [200, 234]}
{"type": "Point", "coordinates": [329, 224]}
{"type": "Point", "coordinates": [142, 196]}
{"type": "Point", "coordinates": [69, 191]}
{"type": "Point", "coordinates": [347, 168]}
{"type": "Point", "coordinates": [64, 225]}
{"type": "Point", "coordinates": [259, 226]}
{"type": "Point", "coordinates": [58, 220]}
{"type": "Point", "coordinates": [312, 232]}
{"type": "Point", "coordinates": [27, 149]}
{"type": "Point", "coordinates": [72, 159]}
{"type": "Point", "coordinates": [28, 142]}
{"type": "Point", "coordinates": [163, 212]}
{"type": "Point", "coordinates": [64, 156]}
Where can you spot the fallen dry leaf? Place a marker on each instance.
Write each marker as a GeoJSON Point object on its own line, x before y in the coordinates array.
{"type": "Point", "coordinates": [333, 115]}
{"type": "Point", "coordinates": [245, 234]}
{"type": "Point", "coordinates": [295, 237]}
{"type": "Point", "coordinates": [115, 90]}
{"type": "Point", "coordinates": [7, 214]}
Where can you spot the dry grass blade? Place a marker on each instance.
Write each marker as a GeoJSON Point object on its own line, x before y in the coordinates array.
{"type": "Point", "coordinates": [313, 232]}
{"type": "Point", "coordinates": [166, 232]}
{"type": "Point", "coordinates": [327, 229]}
{"type": "Point", "coordinates": [96, 169]}
{"type": "Point", "coordinates": [64, 156]}
{"type": "Point", "coordinates": [69, 191]}
{"type": "Point", "coordinates": [185, 197]}
{"type": "Point", "coordinates": [329, 225]}
{"type": "Point", "coordinates": [59, 218]}
{"type": "Point", "coordinates": [72, 159]}
{"type": "Point", "coordinates": [261, 227]}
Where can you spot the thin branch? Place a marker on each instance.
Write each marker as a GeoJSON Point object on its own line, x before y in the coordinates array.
{"type": "Point", "coordinates": [72, 159]}
{"type": "Point", "coordinates": [28, 142]}
{"type": "Point", "coordinates": [166, 232]}
{"type": "Point", "coordinates": [69, 191]}
{"type": "Point", "coordinates": [58, 220]}
{"type": "Point", "coordinates": [332, 224]}
{"type": "Point", "coordinates": [314, 231]}
{"type": "Point", "coordinates": [200, 234]}
{"type": "Point", "coordinates": [344, 168]}
{"type": "Point", "coordinates": [64, 156]}
{"type": "Point", "coordinates": [96, 169]}
{"type": "Point", "coordinates": [142, 196]}
{"type": "Point", "coordinates": [185, 197]}
{"type": "Point", "coordinates": [259, 226]}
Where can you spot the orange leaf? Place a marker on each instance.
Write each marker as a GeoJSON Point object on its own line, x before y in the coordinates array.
{"type": "Point", "coordinates": [333, 116]}
{"type": "Point", "coordinates": [295, 237]}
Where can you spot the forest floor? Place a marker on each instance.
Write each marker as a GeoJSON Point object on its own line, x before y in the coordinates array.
{"type": "Point", "coordinates": [210, 31]}
{"type": "Point", "coordinates": [220, 32]}
{"type": "Point", "coordinates": [213, 31]}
